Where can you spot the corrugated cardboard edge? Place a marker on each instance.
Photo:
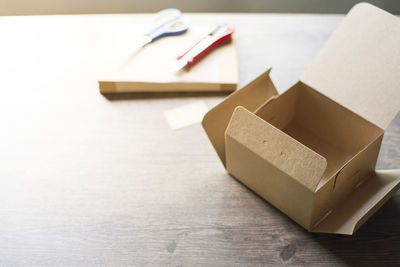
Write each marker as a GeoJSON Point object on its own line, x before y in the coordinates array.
{"type": "Point", "coordinates": [250, 96]}
{"type": "Point", "coordinates": [361, 204]}
{"type": "Point", "coordinates": [142, 87]}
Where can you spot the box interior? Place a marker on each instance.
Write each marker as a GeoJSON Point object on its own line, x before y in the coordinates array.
{"type": "Point", "coordinates": [321, 124]}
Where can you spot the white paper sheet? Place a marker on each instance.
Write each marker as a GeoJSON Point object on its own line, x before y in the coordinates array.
{"type": "Point", "coordinates": [186, 115]}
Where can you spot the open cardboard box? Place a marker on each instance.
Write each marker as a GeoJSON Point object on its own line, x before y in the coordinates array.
{"type": "Point", "coordinates": [311, 151]}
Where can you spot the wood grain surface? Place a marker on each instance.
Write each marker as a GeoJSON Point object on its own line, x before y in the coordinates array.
{"type": "Point", "coordinates": [88, 180]}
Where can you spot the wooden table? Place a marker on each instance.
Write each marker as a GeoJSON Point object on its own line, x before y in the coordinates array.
{"type": "Point", "coordinates": [92, 180]}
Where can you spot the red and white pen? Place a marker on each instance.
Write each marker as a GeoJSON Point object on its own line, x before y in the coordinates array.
{"type": "Point", "coordinates": [220, 33]}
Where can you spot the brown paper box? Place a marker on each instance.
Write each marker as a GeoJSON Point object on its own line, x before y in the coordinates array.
{"type": "Point", "coordinates": [149, 69]}
{"type": "Point", "coordinates": [311, 151]}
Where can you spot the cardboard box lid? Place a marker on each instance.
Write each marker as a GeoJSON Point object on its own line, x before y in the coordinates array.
{"type": "Point", "coordinates": [250, 96]}
{"type": "Point", "coordinates": [361, 204]}
{"type": "Point", "coordinates": [359, 66]}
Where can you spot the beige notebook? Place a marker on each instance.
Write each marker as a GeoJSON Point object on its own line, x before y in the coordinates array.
{"type": "Point", "coordinates": [149, 69]}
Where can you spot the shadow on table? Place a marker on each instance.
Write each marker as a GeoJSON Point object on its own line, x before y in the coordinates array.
{"type": "Point", "coordinates": [377, 241]}
{"type": "Point", "coordinates": [160, 95]}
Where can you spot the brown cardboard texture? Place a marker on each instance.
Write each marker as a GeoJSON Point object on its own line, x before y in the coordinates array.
{"type": "Point", "coordinates": [122, 69]}
{"type": "Point", "coordinates": [250, 96]}
{"type": "Point", "coordinates": [311, 151]}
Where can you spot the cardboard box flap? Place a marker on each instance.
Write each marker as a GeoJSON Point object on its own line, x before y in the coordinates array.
{"type": "Point", "coordinates": [358, 66]}
{"type": "Point", "coordinates": [276, 147]}
{"type": "Point", "coordinates": [250, 96]}
{"type": "Point", "coordinates": [361, 204]}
